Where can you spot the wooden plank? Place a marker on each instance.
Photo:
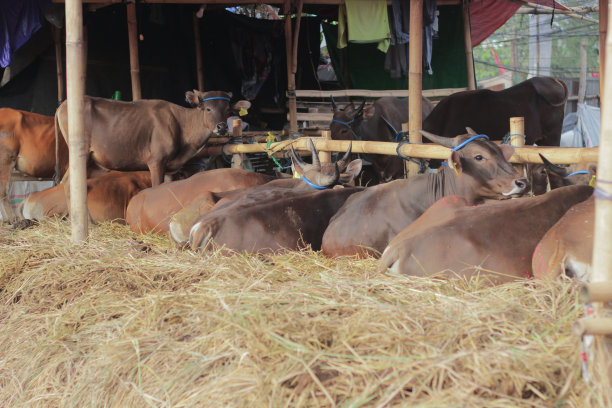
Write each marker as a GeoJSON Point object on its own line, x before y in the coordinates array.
{"type": "Point", "coordinates": [398, 93]}
{"type": "Point", "coordinates": [133, 42]}
{"type": "Point", "coordinates": [198, 52]}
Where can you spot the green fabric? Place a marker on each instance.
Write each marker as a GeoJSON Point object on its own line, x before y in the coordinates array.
{"type": "Point", "coordinates": [366, 63]}
{"type": "Point", "coordinates": [364, 21]}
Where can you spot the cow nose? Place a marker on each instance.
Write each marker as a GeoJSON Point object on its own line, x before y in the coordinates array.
{"type": "Point", "coordinates": [522, 183]}
{"type": "Point", "coordinates": [221, 128]}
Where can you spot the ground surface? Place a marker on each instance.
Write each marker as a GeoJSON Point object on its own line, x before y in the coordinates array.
{"type": "Point", "coordinates": [131, 321]}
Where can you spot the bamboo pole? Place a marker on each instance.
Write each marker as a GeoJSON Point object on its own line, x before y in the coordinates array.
{"type": "Point", "coordinates": [527, 154]}
{"type": "Point", "coordinates": [601, 366]}
{"type": "Point", "coordinates": [583, 68]}
{"type": "Point", "coordinates": [598, 327]}
{"type": "Point", "coordinates": [408, 165]}
{"type": "Point", "coordinates": [237, 158]}
{"type": "Point", "coordinates": [517, 139]}
{"type": "Point", "coordinates": [296, 36]}
{"type": "Point", "coordinates": [415, 77]}
{"type": "Point", "coordinates": [325, 156]}
{"type": "Point", "coordinates": [596, 292]}
{"type": "Point", "coordinates": [75, 74]}
{"type": "Point", "coordinates": [198, 51]}
{"type": "Point", "coordinates": [59, 64]}
{"type": "Point", "coordinates": [467, 37]}
{"type": "Point", "coordinates": [290, 70]}
{"type": "Point", "coordinates": [133, 40]}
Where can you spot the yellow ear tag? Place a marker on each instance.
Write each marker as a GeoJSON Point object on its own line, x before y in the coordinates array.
{"type": "Point", "coordinates": [592, 181]}
{"type": "Point", "coordinates": [270, 138]}
{"type": "Point", "coordinates": [243, 112]}
{"type": "Point", "coordinates": [296, 175]}
{"type": "Point", "coordinates": [455, 168]}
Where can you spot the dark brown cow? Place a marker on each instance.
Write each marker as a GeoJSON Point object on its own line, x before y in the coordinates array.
{"type": "Point", "coordinates": [27, 143]}
{"type": "Point", "coordinates": [151, 209]}
{"type": "Point", "coordinates": [494, 241]}
{"type": "Point", "coordinates": [368, 124]}
{"type": "Point", "coordinates": [567, 248]}
{"type": "Point", "coordinates": [560, 176]}
{"type": "Point", "coordinates": [150, 134]}
{"type": "Point", "coordinates": [270, 220]}
{"type": "Point", "coordinates": [314, 176]}
{"type": "Point", "coordinates": [107, 197]}
{"type": "Point", "coordinates": [370, 219]}
{"type": "Point", "coordinates": [540, 100]}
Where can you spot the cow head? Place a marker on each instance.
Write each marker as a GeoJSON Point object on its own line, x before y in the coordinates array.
{"type": "Point", "coordinates": [345, 121]}
{"type": "Point", "coordinates": [216, 108]}
{"type": "Point", "coordinates": [560, 176]}
{"type": "Point", "coordinates": [480, 167]}
{"type": "Point", "coordinates": [325, 175]}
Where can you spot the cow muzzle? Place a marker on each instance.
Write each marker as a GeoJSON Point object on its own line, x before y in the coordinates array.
{"type": "Point", "coordinates": [520, 187]}
{"type": "Point", "coordinates": [221, 129]}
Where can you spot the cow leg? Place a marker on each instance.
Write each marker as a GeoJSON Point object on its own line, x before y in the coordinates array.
{"type": "Point", "coordinates": [6, 166]}
{"type": "Point", "coordinates": [157, 170]}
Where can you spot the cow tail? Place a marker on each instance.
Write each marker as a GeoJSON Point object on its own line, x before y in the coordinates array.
{"type": "Point", "coordinates": [58, 176]}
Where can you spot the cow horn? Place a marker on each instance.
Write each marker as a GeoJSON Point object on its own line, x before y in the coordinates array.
{"type": "Point", "coordinates": [315, 155]}
{"type": "Point", "coordinates": [343, 162]}
{"type": "Point", "coordinates": [561, 171]}
{"type": "Point", "coordinates": [297, 160]}
{"type": "Point", "coordinates": [334, 106]}
{"type": "Point", "coordinates": [360, 108]}
{"type": "Point", "coordinates": [441, 140]}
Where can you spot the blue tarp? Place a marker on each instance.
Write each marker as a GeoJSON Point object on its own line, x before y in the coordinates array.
{"type": "Point", "coordinates": [19, 19]}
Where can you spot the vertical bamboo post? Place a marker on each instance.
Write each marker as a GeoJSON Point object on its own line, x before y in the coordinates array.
{"type": "Point", "coordinates": [75, 74]}
{"type": "Point", "coordinates": [601, 348]}
{"type": "Point", "coordinates": [407, 164]}
{"type": "Point", "coordinates": [198, 52]}
{"type": "Point", "coordinates": [603, 33]}
{"type": "Point", "coordinates": [415, 77]}
{"type": "Point", "coordinates": [583, 68]}
{"type": "Point", "coordinates": [133, 40]}
{"type": "Point", "coordinates": [517, 130]}
{"type": "Point", "coordinates": [325, 157]}
{"type": "Point", "coordinates": [290, 70]}
{"type": "Point", "coordinates": [467, 38]}
{"type": "Point", "coordinates": [59, 63]}
{"type": "Point", "coordinates": [237, 158]}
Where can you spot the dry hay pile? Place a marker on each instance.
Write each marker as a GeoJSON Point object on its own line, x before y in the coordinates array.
{"type": "Point", "coordinates": [122, 323]}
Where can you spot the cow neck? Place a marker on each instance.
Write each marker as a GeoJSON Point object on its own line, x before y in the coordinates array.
{"type": "Point", "coordinates": [194, 131]}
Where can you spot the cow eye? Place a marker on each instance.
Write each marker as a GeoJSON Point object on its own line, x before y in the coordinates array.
{"type": "Point", "coordinates": [478, 158]}
{"type": "Point", "coordinates": [208, 109]}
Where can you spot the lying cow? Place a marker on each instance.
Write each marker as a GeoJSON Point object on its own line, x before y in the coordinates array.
{"type": "Point", "coordinates": [477, 169]}
{"type": "Point", "coordinates": [568, 176]}
{"type": "Point", "coordinates": [150, 134]}
{"type": "Point", "coordinates": [107, 197]}
{"type": "Point", "coordinates": [151, 209]}
{"type": "Point", "coordinates": [315, 176]}
{"type": "Point", "coordinates": [494, 241]}
{"type": "Point", "coordinates": [567, 248]}
{"type": "Point", "coordinates": [27, 143]}
{"type": "Point", "coordinates": [368, 124]}
{"type": "Point", "coordinates": [540, 100]}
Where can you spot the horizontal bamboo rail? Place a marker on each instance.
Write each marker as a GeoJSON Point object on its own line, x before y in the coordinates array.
{"type": "Point", "coordinates": [398, 93]}
{"type": "Point", "coordinates": [527, 154]}
{"type": "Point", "coordinates": [601, 326]}
{"type": "Point", "coordinates": [596, 292]}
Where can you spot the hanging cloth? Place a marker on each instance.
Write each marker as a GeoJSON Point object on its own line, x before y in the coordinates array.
{"type": "Point", "coordinates": [364, 21]}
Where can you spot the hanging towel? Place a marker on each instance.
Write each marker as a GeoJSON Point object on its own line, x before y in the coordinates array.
{"type": "Point", "coordinates": [364, 21]}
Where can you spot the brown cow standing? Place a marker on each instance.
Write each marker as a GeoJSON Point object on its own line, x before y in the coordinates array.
{"type": "Point", "coordinates": [567, 248]}
{"type": "Point", "coordinates": [370, 219]}
{"type": "Point", "coordinates": [150, 134]}
{"type": "Point", "coordinates": [495, 240]}
{"type": "Point", "coordinates": [27, 143]}
{"type": "Point", "coordinates": [367, 124]}
{"type": "Point", "coordinates": [107, 197]}
{"type": "Point", "coordinates": [540, 100]}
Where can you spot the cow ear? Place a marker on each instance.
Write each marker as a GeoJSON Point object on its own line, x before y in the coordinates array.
{"type": "Point", "coordinates": [229, 94]}
{"type": "Point", "coordinates": [241, 105]}
{"type": "Point", "coordinates": [192, 98]}
{"type": "Point", "coordinates": [352, 171]}
{"type": "Point", "coordinates": [507, 151]}
{"type": "Point", "coordinates": [454, 162]}
{"type": "Point", "coordinates": [368, 112]}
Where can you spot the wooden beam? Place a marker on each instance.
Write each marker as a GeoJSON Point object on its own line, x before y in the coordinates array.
{"type": "Point", "coordinates": [415, 78]}
{"type": "Point", "coordinates": [59, 64]}
{"type": "Point", "coordinates": [603, 33]}
{"type": "Point", "coordinates": [398, 93]}
{"type": "Point", "coordinates": [75, 75]}
{"type": "Point", "coordinates": [467, 39]}
{"type": "Point", "coordinates": [198, 52]}
{"type": "Point", "coordinates": [133, 40]}
{"type": "Point", "coordinates": [290, 70]}
{"type": "Point", "coordinates": [238, 2]}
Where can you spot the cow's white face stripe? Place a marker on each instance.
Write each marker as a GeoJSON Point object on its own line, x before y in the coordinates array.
{"type": "Point", "coordinates": [582, 271]}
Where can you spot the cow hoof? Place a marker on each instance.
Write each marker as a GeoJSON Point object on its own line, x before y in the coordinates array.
{"type": "Point", "coordinates": [23, 224]}
{"type": "Point", "coordinates": [200, 236]}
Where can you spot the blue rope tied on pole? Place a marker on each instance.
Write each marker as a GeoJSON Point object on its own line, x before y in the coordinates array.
{"type": "Point", "coordinates": [508, 136]}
